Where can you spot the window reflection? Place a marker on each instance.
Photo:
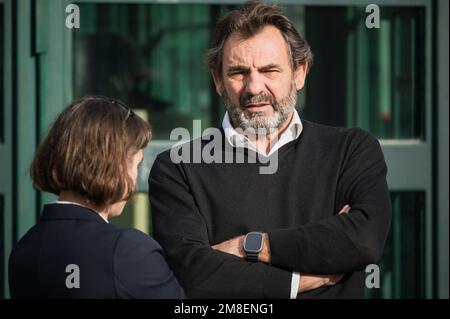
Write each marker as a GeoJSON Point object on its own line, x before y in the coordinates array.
{"type": "Point", "coordinates": [369, 78]}
{"type": "Point", "coordinates": [402, 267]}
{"type": "Point", "coordinates": [2, 246]}
{"type": "Point", "coordinates": [2, 73]}
{"type": "Point", "coordinates": [136, 213]}
{"type": "Point", "coordinates": [150, 56]}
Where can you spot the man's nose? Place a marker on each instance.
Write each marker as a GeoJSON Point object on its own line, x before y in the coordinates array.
{"type": "Point", "coordinates": [254, 84]}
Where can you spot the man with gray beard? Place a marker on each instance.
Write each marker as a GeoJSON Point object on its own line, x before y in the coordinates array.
{"type": "Point", "coordinates": [306, 231]}
{"type": "Point", "coordinates": [283, 110]}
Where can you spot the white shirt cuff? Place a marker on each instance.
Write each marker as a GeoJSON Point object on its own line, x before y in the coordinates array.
{"type": "Point", "coordinates": [294, 284]}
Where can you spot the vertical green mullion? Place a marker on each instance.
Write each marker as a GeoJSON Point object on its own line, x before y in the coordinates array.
{"type": "Point", "coordinates": [385, 84]}
{"type": "Point", "coordinates": [442, 135]}
{"type": "Point", "coordinates": [429, 205]}
{"type": "Point", "coordinates": [412, 33]}
{"type": "Point", "coordinates": [68, 65]}
{"type": "Point", "coordinates": [388, 272]}
{"type": "Point", "coordinates": [396, 76]}
{"type": "Point", "coordinates": [397, 247]}
{"type": "Point", "coordinates": [55, 60]}
{"type": "Point", "coordinates": [25, 131]}
{"type": "Point", "coordinates": [6, 188]}
{"type": "Point", "coordinates": [55, 63]}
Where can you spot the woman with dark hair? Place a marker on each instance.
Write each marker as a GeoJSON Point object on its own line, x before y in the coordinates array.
{"type": "Point", "coordinates": [90, 159]}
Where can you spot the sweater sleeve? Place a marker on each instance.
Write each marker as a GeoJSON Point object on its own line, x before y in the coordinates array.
{"type": "Point", "coordinates": [203, 272]}
{"type": "Point", "coordinates": [347, 242]}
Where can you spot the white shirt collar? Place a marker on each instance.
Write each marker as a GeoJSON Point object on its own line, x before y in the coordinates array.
{"type": "Point", "coordinates": [73, 203]}
{"type": "Point", "coordinates": [233, 137]}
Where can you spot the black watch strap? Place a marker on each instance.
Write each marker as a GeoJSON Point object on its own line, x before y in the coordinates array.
{"type": "Point", "coordinates": [252, 257]}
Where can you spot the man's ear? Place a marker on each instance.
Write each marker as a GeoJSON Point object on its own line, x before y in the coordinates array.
{"type": "Point", "coordinates": [300, 76]}
{"type": "Point", "coordinates": [217, 82]}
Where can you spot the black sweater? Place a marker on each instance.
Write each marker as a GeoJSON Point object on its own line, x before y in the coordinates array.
{"type": "Point", "coordinates": [195, 206]}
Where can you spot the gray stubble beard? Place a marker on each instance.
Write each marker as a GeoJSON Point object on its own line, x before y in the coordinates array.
{"type": "Point", "coordinates": [282, 111]}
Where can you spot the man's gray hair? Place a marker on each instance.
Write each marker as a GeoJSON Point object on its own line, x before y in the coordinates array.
{"type": "Point", "coordinates": [248, 21]}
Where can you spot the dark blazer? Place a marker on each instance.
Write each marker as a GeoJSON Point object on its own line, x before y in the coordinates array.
{"type": "Point", "coordinates": [112, 262]}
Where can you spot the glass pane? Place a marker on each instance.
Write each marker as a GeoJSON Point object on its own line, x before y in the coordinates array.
{"type": "Point", "coordinates": [3, 258]}
{"type": "Point", "coordinates": [151, 57]}
{"type": "Point", "coordinates": [2, 74]}
{"type": "Point", "coordinates": [136, 214]}
{"type": "Point", "coordinates": [368, 78]}
{"type": "Point", "coordinates": [402, 267]}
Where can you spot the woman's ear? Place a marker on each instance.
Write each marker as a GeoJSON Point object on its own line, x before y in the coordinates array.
{"type": "Point", "coordinates": [217, 82]}
{"type": "Point", "coordinates": [300, 76]}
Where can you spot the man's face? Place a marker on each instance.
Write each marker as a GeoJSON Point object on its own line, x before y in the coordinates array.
{"type": "Point", "coordinates": [257, 83]}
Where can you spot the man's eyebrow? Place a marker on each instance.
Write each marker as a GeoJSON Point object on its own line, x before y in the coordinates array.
{"type": "Point", "coordinates": [237, 68]}
{"type": "Point", "coordinates": [243, 68]}
{"type": "Point", "coordinates": [270, 67]}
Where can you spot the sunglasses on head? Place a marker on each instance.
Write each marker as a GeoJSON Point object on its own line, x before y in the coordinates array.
{"type": "Point", "coordinates": [117, 102]}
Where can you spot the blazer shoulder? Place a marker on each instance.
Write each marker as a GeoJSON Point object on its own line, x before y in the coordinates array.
{"type": "Point", "coordinates": [131, 238]}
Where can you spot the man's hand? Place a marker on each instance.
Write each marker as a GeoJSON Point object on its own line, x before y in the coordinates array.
{"type": "Point", "coordinates": [232, 246]}
{"type": "Point", "coordinates": [310, 282]}
{"type": "Point", "coordinates": [345, 209]}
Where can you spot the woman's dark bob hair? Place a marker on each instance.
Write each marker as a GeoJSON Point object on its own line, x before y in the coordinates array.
{"type": "Point", "coordinates": [88, 149]}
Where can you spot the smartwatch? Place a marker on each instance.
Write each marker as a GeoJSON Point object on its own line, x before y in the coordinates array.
{"type": "Point", "coordinates": [253, 245]}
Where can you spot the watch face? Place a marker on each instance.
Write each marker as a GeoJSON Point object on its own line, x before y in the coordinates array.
{"type": "Point", "coordinates": [253, 242]}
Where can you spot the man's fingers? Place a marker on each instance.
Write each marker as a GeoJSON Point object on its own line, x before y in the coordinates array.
{"type": "Point", "coordinates": [333, 279]}
{"type": "Point", "coordinates": [345, 209]}
{"type": "Point", "coordinates": [310, 282]}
